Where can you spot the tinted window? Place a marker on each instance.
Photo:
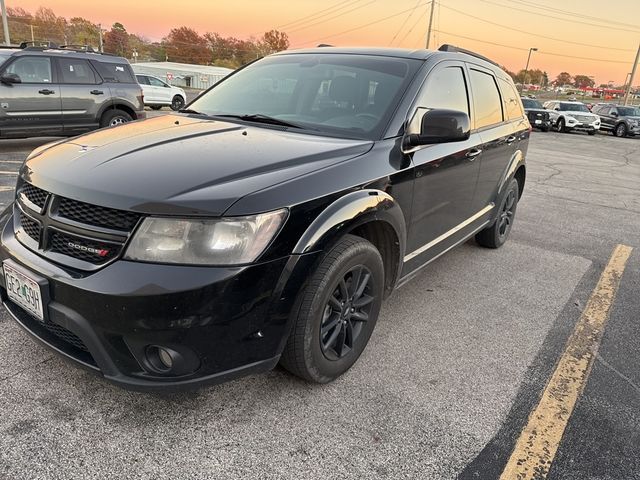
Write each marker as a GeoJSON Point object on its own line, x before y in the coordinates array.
{"type": "Point", "coordinates": [512, 104]}
{"type": "Point", "coordinates": [77, 71]}
{"type": "Point", "coordinates": [32, 69]}
{"type": "Point", "coordinates": [486, 99]}
{"type": "Point", "coordinates": [445, 88]}
{"type": "Point", "coordinates": [528, 103]}
{"type": "Point", "coordinates": [347, 95]}
{"type": "Point", "coordinates": [154, 82]}
{"type": "Point", "coordinates": [115, 72]}
{"type": "Point", "coordinates": [142, 79]}
{"type": "Point", "coordinates": [629, 111]}
{"type": "Point", "coordinates": [573, 107]}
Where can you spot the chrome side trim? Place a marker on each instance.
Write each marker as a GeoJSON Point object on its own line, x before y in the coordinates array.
{"type": "Point", "coordinates": [446, 235]}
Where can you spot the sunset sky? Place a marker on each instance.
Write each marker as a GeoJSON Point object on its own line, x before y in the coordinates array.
{"type": "Point", "coordinates": [505, 27]}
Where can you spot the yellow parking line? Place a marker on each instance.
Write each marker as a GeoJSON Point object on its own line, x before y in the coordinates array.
{"type": "Point", "coordinates": [537, 445]}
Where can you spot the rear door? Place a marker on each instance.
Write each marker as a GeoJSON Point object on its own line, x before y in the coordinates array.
{"type": "Point", "coordinates": [445, 174]}
{"type": "Point", "coordinates": [83, 94]}
{"type": "Point", "coordinates": [33, 106]}
{"type": "Point", "coordinates": [497, 133]}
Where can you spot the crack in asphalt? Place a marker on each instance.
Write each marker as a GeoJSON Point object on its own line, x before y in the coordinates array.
{"type": "Point", "coordinates": [30, 367]}
{"type": "Point", "coordinates": [606, 364]}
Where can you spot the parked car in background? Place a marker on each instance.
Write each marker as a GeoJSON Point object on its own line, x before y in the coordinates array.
{"type": "Point", "coordinates": [621, 120]}
{"type": "Point", "coordinates": [158, 93]}
{"type": "Point", "coordinates": [64, 91]}
{"type": "Point", "coordinates": [538, 116]}
{"type": "Point", "coordinates": [262, 225]}
{"type": "Point", "coordinates": [568, 116]}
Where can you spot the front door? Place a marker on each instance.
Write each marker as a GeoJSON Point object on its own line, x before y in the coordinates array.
{"type": "Point", "coordinates": [445, 174]}
{"type": "Point", "coordinates": [31, 107]}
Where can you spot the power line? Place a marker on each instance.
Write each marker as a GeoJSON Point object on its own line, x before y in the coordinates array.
{"type": "Point", "coordinates": [302, 19]}
{"type": "Point", "coordinates": [540, 52]}
{"type": "Point", "coordinates": [535, 34]}
{"type": "Point", "coordinates": [404, 23]}
{"type": "Point", "coordinates": [546, 15]}
{"type": "Point", "coordinates": [332, 18]}
{"type": "Point", "coordinates": [363, 26]}
{"type": "Point", "coordinates": [419, 19]}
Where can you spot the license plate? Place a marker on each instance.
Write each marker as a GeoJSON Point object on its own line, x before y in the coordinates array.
{"type": "Point", "coordinates": [538, 122]}
{"type": "Point", "coordinates": [24, 290]}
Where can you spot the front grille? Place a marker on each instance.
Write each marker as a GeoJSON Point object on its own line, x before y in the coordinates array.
{"type": "Point", "coordinates": [35, 195]}
{"type": "Point", "coordinates": [584, 118]}
{"type": "Point", "coordinates": [96, 215]}
{"type": "Point", "coordinates": [77, 247]}
{"type": "Point", "coordinates": [66, 335]}
{"type": "Point", "coordinates": [30, 227]}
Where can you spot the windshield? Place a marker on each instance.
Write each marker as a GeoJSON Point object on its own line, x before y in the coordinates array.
{"type": "Point", "coordinates": [3, 58]}
{"type": "Point", "coordinates": [629, 111]}
{"type": "Point", "coordinates": [528, 103]}
{"type": "Point", "coordinates": [573, 107]}
{"type": "Point", "coordinates": [337, 94]}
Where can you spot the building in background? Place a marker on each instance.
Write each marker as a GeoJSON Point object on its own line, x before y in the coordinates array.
{"type": "Point", "coordinates": [182, 74]}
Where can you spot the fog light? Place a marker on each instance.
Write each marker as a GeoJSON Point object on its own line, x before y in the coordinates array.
{"type": "Point", "coordinates": [160, 358]}
{"type": "Point", "coordinates": [165, 358]}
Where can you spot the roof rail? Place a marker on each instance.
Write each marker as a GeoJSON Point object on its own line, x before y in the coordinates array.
{"type": "Point", "coordinates": [25, 45]}
{"type": "Point", "coordinates": [452, 48]}
{"type": "Point", "coordinates": [322, 45]}
{"type": "Point", "coordinates": [78, 48]}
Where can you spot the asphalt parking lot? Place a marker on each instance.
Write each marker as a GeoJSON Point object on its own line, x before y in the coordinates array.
{"type": "Point", "coordinates": [459, 359]}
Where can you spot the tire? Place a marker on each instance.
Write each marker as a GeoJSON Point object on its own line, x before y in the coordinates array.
{"type": "Point", "coordinates": [328, 335]}
{"type": "Point", "coordinates": [156, 107]}
{"type": "Point", "coordinates": [496, 234]}
{"type": "Point", "coordinates": [544, 129]}
{"type": "Point", "coordinates": [560, 128]}
{"type": "Point", "coordinates": [620, 130]}
{"type": "Point", "coordinates": [177, 103]}
{"type": "Point", "coordinates": [591, 132]}
{"type": "Point", "coordinates": [113, 118]}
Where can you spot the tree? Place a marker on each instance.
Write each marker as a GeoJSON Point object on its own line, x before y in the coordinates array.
{"type": "Point", "coordinates": [273, 41]}
{"type": "Point", "coordinates": [81, 31]}
{"type": "Point", "coordinates": [583, 81]}
{"type": "Point", "coordinates": [49, 26]}
{"type": "Point", "coordinates": [536, 77]}
{"type": "Point", "coordinates": [19, 20]}
{"type": "Point", "coordinates": [564, 78]}
{"type": "Point", "coordinates": [116, 40]}
{"type": "Point", "coordinates": [185, 45]}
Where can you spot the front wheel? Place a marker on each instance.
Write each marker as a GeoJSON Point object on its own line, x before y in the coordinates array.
{"type": "Point", "coordinates": [621, 130]}
{"type": "Point", "coordinates": [591, 132]}
{"type": "Point", "coordinates": [336, 312]}
{"type": "Point", "coordinates": [560, 126]}
{"type": "Point", "coordinates": [177, 103]}
{"type": "Point", "coordinates": [497, 233]}
{"type": "Point", "coordinates": [156, 107]}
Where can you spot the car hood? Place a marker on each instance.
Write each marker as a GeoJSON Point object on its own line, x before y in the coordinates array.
{"type": "Point", "coordinates": [179, 164]}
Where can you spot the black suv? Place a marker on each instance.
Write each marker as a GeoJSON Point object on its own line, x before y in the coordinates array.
{"type": "Point", "coordinates": [267, 222]}
{"type": "Point", "coordinates": [64, 91]}
{"type": "Point", "coordinates": [537, 115]}
{"type": "Point", "coordinates": [621, 120]}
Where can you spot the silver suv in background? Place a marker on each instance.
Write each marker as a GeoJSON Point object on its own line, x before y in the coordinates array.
{"type": "Point", "coordinates": [621, 120]}
{"type": "Point", "coordinates": [158, 94]}
{"type": "Point", "coordinates": [65, 91]}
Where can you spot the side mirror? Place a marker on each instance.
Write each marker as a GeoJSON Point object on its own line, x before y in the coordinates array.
{"type": "Point", "coordinates": [10, 78]}
{"type": "Point", "coordinates": [614, 114]}
{"type": "Point", "coordinates": [442, 126]}
{"type": "Point", "coordinates": [557, 109]}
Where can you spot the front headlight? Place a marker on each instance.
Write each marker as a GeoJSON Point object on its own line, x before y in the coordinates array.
{"type": "Point", "coordinates": [570, 119]}
{"type": "Point", "coordinates": [224, 241]}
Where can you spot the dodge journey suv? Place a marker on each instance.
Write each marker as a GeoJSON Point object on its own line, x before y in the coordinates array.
{"type": "Point", "coordinates": [265, 223]}
{"type": "Point", "coordinates": [64, 91]}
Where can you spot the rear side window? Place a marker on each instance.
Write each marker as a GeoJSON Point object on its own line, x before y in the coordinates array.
{"type": "Point", "coordinates": [76, 71]}
{"type": "Point", "coordinates": [512, 105]}
{"type": "Point", "coordinates": [115, 72]}
{"type": "Point", "coordinates": [486, 99]}
{"type": "Point", "coordinates": [32, 69]}
{"type": "Point", "coordinates": [446, 89]}
{"type": "Point", "coordinates": [142, 79]}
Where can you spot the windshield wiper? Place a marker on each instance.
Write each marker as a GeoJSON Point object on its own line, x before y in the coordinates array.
{"type": "Point", "coordinates": [260, 118]}
{"type": "Point", "coordinates": [188, 110]}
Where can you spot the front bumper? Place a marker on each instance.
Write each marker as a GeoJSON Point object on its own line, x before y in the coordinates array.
{"type": "Point", "coordinates": [583, 126]}
{"type": "Point", "coordinates": [224, 322]}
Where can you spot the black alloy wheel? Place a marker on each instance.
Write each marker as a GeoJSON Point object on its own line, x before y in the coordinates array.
{"type": "Point", "coordinates": [177, 103]}
{"type": "Point", "coordinates": [346, 312]}
{"type": "Point", "coordinates": [505, 220]}
{"type": "Point", "coordinates": [621, 130]}
{"type": "Point", "coordinates": [496, 234]}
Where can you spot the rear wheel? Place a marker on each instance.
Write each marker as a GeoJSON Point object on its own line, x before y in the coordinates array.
{"type": "Point", "coordinates": [156, 107]}
{"type": "Point", "coordinates": [113, 118]}
{"type": "Point", "coordinates": [336, 312]}
{"type": "Point", "coordinates": [621, 130]}
{"type": "Point", "coordinates": [497, 233]}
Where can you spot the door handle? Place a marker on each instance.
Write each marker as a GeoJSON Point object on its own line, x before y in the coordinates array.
{"type": "Point", "coordinates": [511, 139]}
{"type": "Point", "coordinates": [46, 91]}
{"type": "Point", "coordinates": [96, 92]}
{"type": "Point", "coordinates": [472, 154]}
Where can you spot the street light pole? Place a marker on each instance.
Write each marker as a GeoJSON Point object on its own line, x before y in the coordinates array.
{"type": "Point", "coordinates": [526, 69]}
{"type": "Point", "coordinates": [631, 77]}
{"type": "Point", "coordinates": [5, 24]}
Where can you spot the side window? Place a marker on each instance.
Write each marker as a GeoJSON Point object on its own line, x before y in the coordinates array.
{"type": "Point", "coordinates": [32, 69]}
{"type": "Point", "coordinates": [486, 99]}
{"type": "Point", "coordinates": [154, 82]}
{"type": "Point", "coordinates": [114, 72]}
{"type": "Point", "coordinates": [76, 71]}
{"type": "Point", "coordinates": [512, 102]}
{"type": "Point", "coordinates": [142, 79]}
{"type": "Point", "coordinates": [613, 110]}
{"type": "Point", "coordinates": [446, 89]}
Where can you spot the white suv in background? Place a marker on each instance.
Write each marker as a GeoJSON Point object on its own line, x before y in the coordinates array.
{"type": "Point", "coordinates": [567, 116]}
{"type": "Point", "coordinates": [158, 94]}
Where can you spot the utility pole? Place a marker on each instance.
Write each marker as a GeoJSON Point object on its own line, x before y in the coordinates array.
{"type": "Point", "coordinates": [5, 24]}
{"type": "Point", "coordinates": [100, 36]}
{"type": "Point", "coordinates": [633, 74]}
{"type": "Point", "coordinates": [33, 40]}
{"type": "Point", "coordinates": [433, 7]}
